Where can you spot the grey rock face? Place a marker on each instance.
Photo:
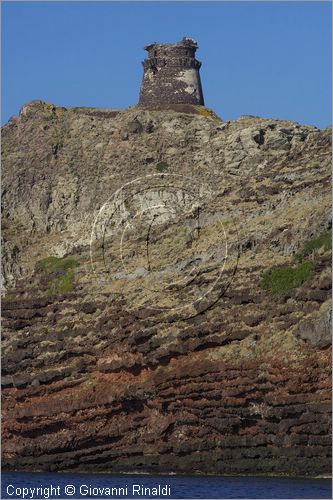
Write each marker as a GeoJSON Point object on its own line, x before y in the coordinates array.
{"type": "Point", "coordinates": [9, 263]}
{"type": "Point", "coordinates": [317, 330]}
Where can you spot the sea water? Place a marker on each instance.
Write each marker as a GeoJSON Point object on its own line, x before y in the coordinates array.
{"type": "Point", "coordinates": [74, 486]}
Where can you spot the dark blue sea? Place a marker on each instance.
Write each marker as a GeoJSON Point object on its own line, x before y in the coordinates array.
{"type": "Point", "coordinates": [74, 486]}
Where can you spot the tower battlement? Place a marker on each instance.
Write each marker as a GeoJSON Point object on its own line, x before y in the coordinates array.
{"type": "Point", "coordinates": [171, 74]}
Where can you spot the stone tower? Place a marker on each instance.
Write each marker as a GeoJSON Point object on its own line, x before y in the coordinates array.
{"type": "Point", "coordinates": [171, 74]}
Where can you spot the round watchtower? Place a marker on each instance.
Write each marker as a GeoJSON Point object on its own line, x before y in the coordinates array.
{"type": "Point", "coordinates": [171, 74]}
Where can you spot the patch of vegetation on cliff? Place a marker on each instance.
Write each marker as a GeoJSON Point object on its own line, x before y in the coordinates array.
{"type": "Point", "coordinates": [324, 240]}
{"type": "Point", "coordinates": [59, 273]}
{"type": "Point", "coordinates": [63, 284]}
{"type": "Point", "coordinates": [162, 166]}
{"type": "Point", "coordinates": [208, 113]}
{"type": "Point", "coordinates": [282, 280]}
{"type": "Point", "coordinates": [55, 264]}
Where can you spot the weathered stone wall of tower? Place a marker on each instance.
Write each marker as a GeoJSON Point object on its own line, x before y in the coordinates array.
{"type": "Point", "coordinates": [171, 75]}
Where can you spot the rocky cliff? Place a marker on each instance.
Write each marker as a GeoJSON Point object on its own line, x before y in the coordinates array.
{"type": "Point", "coordinates": [166, 292]}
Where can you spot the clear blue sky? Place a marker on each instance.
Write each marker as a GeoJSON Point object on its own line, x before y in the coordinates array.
{"type": "Point", "coordinates": [270, 59]}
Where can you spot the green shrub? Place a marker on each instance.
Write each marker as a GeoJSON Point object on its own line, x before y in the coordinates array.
{"type": "Point", "coordinates": [162, 166]}
{"type": "Point", "coordinates": [282, 280]}
{"type": "Point", "coordinates": [55, 264]}
{"type": "Point", "coordinates": [63, 284]}
{"type": "Point", "coordinates": [324, 240]}
{"type": "Point", "coordinates": [61, 274]}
